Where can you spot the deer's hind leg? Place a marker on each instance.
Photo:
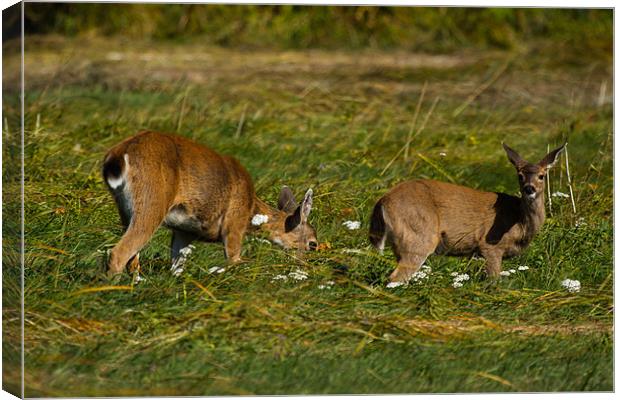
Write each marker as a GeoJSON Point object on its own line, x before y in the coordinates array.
{"type": "Point", "coordinates": [123, 205]}
{"type": "Point", "coordinates": [411, 247]}
{"type": "Point", "coordinates": [143, 207]}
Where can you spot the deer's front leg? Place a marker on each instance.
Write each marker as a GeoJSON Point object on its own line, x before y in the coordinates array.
{"type": "Point", "coordinates": [232, 246]}
{"type": "Point", "coordinates": [235, 225]}
{"type": "Point", "coordinates": [493, 263]}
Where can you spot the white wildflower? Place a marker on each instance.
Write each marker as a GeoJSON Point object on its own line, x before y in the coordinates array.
{"type": "Point", "coordinates": [394, 284]}
{"type": "Point", "coordinates": [327, 285]}
{"type": "Point", "coordinates": [442, 153]}
{"type": "Point", "coordinates": [352, 225]}
{"type": "Point", "coordinates": [261, 240]}
{"type": "Point", "coordinates": [259, 219]}
{"type": "Point", "coordinates": [459, 279]}
{"type": "Point", "coordinates": [505, 273]}
{"type": "Point", "coordinates": [571, 285]}
{"type": "Point", "coordinates": [423, 273]}
{"type": "Point", "coordinates": [580, 222]}
{"type": "Point", "coordinates": [138, 279]}
{"type": "Point", "coordinates": [512, 271]}
{"type": "Point", "coordinates": [523, 268]}
{"type": "Point", "coordinates": [298, 275]}
{"type": "Point", "coordinates": [419, 275]}
{"type": "Point", "coordinates": [279, 278]}
{"type": "Point", "coordinates": [560, 194]}
{"type": "Point", "coordinates": [216, 270]}
{"type": "Point", "coordinates": [352, 251]}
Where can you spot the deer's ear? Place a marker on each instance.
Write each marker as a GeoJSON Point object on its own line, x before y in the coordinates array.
{"type": "Point", "coordinates": [292, 220]}
{"type": "Point", "coordinates": [306, 206]}
{"type": "Point", "coordinates": [287, 201]}
{"type": "Point", "coordinates": [300, 216]}
{"type": "Point", "coordinates": [550, 159]}
{"type": "Point", "coordinates": [513, 156]}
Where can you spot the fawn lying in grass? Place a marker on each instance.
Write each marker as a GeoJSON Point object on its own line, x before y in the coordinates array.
{"type": "Point", "coordinates": [422, 217]}
{"type": "Point", "coordinates": [199, 194]}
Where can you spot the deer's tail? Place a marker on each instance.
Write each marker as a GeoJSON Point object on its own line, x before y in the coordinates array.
{"type": "Point", "coordinates": [114, 170]}
{"type": "Point", "coordinates": [377, 232]}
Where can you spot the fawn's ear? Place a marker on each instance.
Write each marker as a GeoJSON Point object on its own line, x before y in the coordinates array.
{"type": "Point", "coordinates": [514, 157]}
{"type": "Point", "coordinates": [300, 216]}
{"type": "Point", "coordinates": [287, 201]}
{"type": "Point", "coordinates": [550, 159]}
{"type": "Point", "coordinates": [306, 206]}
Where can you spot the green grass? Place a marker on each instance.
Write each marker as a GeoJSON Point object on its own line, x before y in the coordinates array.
{"type": "Point", "coordinates": [336, 122]}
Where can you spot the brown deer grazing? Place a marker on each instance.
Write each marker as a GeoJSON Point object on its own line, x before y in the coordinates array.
{"type": "Point", "coordinates": [199, 194]}
{"type": "Point", "coordinates": [422, 217]}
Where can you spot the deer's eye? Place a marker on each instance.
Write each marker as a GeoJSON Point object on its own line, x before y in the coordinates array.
{"type": "Point", "coordinates": [521, 178]}
{"type": "Point", "coordinates": [541, 177]}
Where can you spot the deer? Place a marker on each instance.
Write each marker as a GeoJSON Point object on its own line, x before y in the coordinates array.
{"type": "Point", "coordinates": [159, 179]}
{"type": "Point", "coordinates": [423, 217]}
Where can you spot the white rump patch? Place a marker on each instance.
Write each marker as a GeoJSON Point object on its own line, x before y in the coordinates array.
{"type": "Point", "coordinates": [116, 182]}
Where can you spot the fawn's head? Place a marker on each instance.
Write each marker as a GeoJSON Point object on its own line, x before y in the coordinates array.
{"type": "Point", "coordinates": [532, 176]}
{"type": "Point", "coordinates": [293, 231]}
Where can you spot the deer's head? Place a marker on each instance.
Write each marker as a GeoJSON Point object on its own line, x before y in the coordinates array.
{"type": "Point", "coordinates": [291, 229]}
{"type": "Point", "coordinates": [532, 176]}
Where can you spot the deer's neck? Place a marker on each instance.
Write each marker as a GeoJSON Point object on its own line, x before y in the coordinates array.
{"type": "Point", "coordinates": [533, 216]}
{"type": "Point", "coordinates": [273, 215]}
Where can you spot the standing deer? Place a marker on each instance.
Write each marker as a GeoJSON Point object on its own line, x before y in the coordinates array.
{"type": "Point", "coordinates": [422, 217]}
{"type": "Point", "coordinates": [199, 194]}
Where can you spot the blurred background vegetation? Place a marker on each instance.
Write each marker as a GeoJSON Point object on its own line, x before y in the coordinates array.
{"type": "Point", "coordinates": [293, 26]}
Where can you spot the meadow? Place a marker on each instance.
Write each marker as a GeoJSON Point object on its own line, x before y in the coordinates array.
{"type": "Point", "coordinates": [349, 124]}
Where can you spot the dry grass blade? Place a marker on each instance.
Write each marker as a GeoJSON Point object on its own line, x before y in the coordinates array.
{"type": "Point", "coordinates": [204, 289]}
{"type": "Point", "coordinates": [548, 177]}
{"type": "Point", "coordinates": [100, 289]}
{"type": "Point", "coordinates": [481, 89]}
{"type": "Point", "coordinates": [402, 149]}
{"type": "Point", "coordinates": [413, 122]}
{"type": "Point", "coordinates": [496, 379]}
{"type": "Point", "coordinates": [239, 130]}
{"type": "Point", "coordinates": [437, 168]}
{"type": "Point", "coordinates": [570, 182]}
{"type": "Point", "coordinates": [182, 112]}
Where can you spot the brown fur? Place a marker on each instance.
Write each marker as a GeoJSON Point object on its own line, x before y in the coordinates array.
{"type": "Point", "coordinates": [196, 192]}
{"type": "Point", "coordinates": [422, 217]}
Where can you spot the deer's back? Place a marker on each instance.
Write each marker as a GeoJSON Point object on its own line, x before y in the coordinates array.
{"type": "Point", "coordinates": [200, 182]}
{"type": "Point", "coordinates": [459, 217]}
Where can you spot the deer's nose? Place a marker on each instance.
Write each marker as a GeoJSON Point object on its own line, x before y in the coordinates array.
{"type": "Point", "coordinates": [529, 190]}
{"type": "Point", "coordinates": [312, 245]}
